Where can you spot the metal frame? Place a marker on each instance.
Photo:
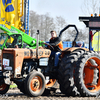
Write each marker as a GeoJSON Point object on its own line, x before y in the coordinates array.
{"type": "Point", "coordinates": [86, 21]}
{"type": "Point", "coordinates": [67, 28]}
{"type": "Point", "coordinates": [26, 16]}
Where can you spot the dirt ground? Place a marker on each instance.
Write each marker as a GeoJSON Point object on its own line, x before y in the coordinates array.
{"type": "Point", "coordinates": [15, 94]}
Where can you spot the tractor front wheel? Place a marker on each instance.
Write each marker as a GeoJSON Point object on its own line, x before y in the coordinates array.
{"type": "Point", "coordinates": [35, 84]}
{"type": "Point", "coordinates": [4, 88]}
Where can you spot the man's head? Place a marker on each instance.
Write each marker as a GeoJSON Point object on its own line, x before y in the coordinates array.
{"type": "Point", "coordinates": [53, 34]}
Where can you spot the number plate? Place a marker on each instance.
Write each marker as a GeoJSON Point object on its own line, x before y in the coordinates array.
{"type": "Point", "coordinates": [5, 62]}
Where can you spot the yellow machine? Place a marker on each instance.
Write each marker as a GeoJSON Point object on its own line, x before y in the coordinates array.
{"type": "Point", "coordinates": [11, 13]}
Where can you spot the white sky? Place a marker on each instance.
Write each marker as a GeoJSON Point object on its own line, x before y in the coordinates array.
{"type": "Point", "coordinates": [70, 10]}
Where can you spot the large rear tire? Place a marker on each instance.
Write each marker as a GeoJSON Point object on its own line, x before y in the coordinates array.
{"type": "Point", "coordinates": [35, 84]}
{"type": "Point", "coordinates": [66, 73]}
{"type": "Point", "coordinates": [85, 73]}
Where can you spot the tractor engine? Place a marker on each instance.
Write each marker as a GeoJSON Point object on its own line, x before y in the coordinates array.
{"type": "Point", "coordinates": [18, 62]}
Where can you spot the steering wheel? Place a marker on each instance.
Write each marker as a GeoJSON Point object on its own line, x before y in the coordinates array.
{"type": "Point", "coordinates": [52, 48]}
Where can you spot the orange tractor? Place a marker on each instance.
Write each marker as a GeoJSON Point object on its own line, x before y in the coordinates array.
{"type": "Point", "coordinates": [77, 72]}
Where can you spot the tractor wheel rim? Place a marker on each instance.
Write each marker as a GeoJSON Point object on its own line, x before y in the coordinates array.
{"type": "Point", "coordinates": [88, 75]}
{"type": "Point", "coordinates": [2, 87]}
{"type": "Point", "coordinates": [36, 84]}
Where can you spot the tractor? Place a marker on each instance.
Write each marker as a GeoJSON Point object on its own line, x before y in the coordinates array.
{"type": "Point", "coordinates": [77, 72]}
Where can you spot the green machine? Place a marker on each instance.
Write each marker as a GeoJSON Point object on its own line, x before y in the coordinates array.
{"type": "Point", "coordinates": [11, 37]}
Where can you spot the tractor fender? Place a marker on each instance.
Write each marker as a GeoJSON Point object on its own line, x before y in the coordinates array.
{"type": "Point", "coordinates": [70, 50]}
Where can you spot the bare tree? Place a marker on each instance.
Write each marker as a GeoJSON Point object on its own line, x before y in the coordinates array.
{"type": "Point", "coordinates": [71, 34]}
{"type": "Point", "coordinates": [44, 23]}
{"type": "Point", "coordinates": [42, 27]}
{"type": "Point", "coordinates": [34, 23]}
{"type": "Point", "coordinates": [60, 23]}
{"type": "Point", "coordinates": [90, 6]}
{"type": "Point", "coordinates": [49, 25]}
{"type": "Point", "coordinates": [82, 36]}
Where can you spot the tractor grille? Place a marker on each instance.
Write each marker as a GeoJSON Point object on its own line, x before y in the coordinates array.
{"type": "Point", "coordinates": [9, 57]}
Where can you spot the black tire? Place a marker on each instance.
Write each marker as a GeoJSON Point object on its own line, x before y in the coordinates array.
{"type": "Point", "coordinates": [66, 73]}
{"type": "Point", "coordinates": [21, 87]}
{"type": "Point", "coordinates": [4, 88]}
{"type": "Point", "coordinates": [82, 79]}
{"type": "Point", "coordinates": [39, 84]}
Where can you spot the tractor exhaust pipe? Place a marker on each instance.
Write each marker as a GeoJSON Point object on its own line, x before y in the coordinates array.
{"type": "Point", "coordinates": [37, 44]}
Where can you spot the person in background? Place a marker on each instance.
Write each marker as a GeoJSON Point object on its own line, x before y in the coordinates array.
{"type": "Point", "coordinates": [79, 44]}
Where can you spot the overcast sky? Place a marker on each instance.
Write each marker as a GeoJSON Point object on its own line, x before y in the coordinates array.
{"type": "Point", "coordinates": [70, 10]}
